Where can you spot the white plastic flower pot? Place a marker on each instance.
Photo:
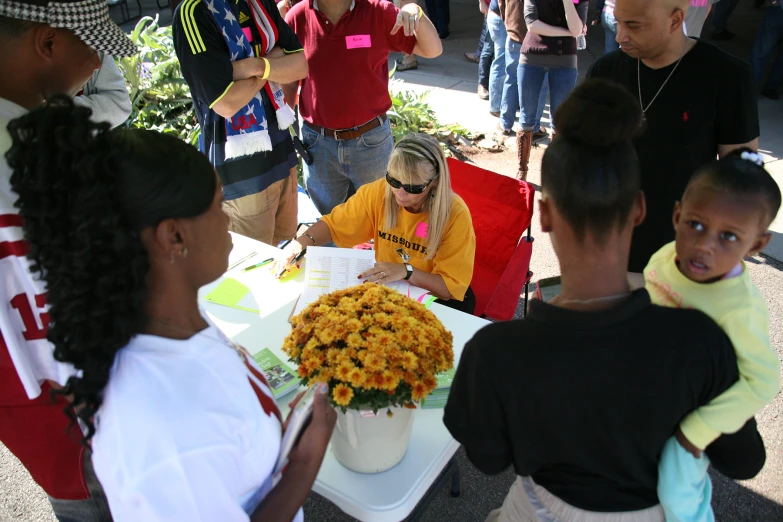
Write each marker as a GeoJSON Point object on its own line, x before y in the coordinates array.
{"type": "Point", "coordinates": [371, 443]}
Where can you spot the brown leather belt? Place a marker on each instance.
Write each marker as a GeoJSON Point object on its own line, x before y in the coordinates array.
{"type": "Point", "coordinates": [349, 134]}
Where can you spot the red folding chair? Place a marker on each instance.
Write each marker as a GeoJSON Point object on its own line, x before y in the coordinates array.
{"type": "Point", "coordinates": [502, 210]}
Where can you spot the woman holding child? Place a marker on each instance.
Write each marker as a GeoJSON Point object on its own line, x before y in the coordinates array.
{"type": "Point", "coordinates": [422, 230]}
{"type": "Point", "coordinates": [582, 395]}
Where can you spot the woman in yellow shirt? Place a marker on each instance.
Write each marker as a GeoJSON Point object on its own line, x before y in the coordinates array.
{"type": "Point", "coordinates": [422, 230]}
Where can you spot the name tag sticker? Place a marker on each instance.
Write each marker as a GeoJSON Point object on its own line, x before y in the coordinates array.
{"type": "Point", "coordinates": [358, 41]}
{"type": "Point", "coordinates": [422, 229]}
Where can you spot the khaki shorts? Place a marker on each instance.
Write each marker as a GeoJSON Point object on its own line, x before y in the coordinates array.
{"type": "Point", "coordinates": [528, 502]}
{"type": "Point", "coordinates": [269, 216]}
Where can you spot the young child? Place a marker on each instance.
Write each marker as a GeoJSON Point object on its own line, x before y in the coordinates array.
{"type": "Point", "coordinates": [723, 217]}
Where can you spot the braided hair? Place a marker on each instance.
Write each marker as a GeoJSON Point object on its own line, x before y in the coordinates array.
{"type": "Point", "coordinates": [85, 194]}
{"type": "Point", "coordinates": [742, 174]}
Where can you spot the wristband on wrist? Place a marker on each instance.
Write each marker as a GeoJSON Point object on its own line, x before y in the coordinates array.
{"type": "Point", "coordinates": [421, 11]}
{"type": "Point", "coordinates": [311, 237]}
{"type": "Point", "coordinates": [267, 69]}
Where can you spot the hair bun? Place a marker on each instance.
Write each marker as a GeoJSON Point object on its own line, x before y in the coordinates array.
{"type": "Point", "coordinates": [599, 113]}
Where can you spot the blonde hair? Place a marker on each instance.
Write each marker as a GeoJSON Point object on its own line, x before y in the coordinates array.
{"type": "Point", "coordinates": [413, 162]}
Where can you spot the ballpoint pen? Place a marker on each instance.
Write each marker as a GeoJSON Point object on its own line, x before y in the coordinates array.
{"type": "Point", "coordinates": [240, 261]}
{"type": "Point", "coordinates": [299, 256]}
{"type": "Point", "coordinates": [262, 263]}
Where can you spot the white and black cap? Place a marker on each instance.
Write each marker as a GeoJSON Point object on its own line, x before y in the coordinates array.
{"type": "Point", "coordinates": [87, 19]}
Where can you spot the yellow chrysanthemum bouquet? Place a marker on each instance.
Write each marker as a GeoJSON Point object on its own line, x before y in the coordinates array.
{"type": "Point", "coordinates": [375, 347]}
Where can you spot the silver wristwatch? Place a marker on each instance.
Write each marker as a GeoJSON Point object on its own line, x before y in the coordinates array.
{"type": "Point", "coordinates": [409, 268]}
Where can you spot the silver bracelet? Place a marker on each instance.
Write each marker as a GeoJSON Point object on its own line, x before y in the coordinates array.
{"type": "Point", "coordinates": [311, 237]}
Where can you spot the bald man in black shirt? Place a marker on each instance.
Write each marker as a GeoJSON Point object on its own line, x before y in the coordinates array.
{"type": "Point", "coordinates": [699, 102]}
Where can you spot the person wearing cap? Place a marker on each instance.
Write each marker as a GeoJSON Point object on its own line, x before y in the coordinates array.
{"type": "Point", "coordinates": [48, 48]}
{"type": "Point", "coordinates": [235, 56]}
{"type": "Point", "coordinates": [345, 97]}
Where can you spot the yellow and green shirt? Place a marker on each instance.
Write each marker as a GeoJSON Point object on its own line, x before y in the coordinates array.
{"type": "Point", "coordinates": [738, 307]}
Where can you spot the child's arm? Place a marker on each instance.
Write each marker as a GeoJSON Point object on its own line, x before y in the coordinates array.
{"type": "Point", "coordinates": [759, 379]}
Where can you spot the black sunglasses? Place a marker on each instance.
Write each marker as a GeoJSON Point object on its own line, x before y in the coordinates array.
{"type": "Point", "coordinates": [410, 189]}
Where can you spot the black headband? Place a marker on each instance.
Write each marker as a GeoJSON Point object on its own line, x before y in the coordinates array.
{"type": "Point", "coordinates": [428, 155]}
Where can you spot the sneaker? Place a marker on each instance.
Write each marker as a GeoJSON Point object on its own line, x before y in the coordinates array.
{"type": "Point", "coordinates": [471, 57]}
{"type": "Point", "coordinates": [402, 66]}
{"type": "Point", "coordinates": [723, 36]}
{"type": "Point", "coordinates": [540, 134]}
{"type": "Point", "coordinates": [483, 93]}
{"type": "Point", "coordinates": [772, 94]}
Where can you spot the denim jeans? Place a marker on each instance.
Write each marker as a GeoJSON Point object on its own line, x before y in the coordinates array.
{"type": "Point", "coordinates": [480, 46]}
{"type": "Point", "coordinates": [486, 56]}
{"type": "Point", "coordinates": [509, 104]}
{"type": "Point", "coordinates": [439, 13]}
{"type": "Point", "coordinates": [497, 30]}
{"type": "Point", "coordinates": [609, 22]}
{"type": "Point", "coordinates": [721, 14]}
{"type": "Point", "coordinates": [531, 83]}
{"type": "Point", "coordinates": [93, 509]}
{"type": "Point", "coordinates": [340, 167]}
{"type": "Point", "coordinates": [769, 34]}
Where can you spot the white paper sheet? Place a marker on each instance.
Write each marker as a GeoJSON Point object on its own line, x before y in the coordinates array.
{"type": "Point", "coordinates": [330, 269]}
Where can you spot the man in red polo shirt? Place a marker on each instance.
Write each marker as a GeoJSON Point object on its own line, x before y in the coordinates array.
{"type": "Point", "coordinates": [346, 95]}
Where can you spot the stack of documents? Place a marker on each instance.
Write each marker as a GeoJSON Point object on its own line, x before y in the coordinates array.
{"type": "Point", "coordinates": [331, 269]}
{"type": "Point", "coordinates": [437, 399]}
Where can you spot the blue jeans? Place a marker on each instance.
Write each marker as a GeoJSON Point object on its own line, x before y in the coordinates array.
{"type": "Point", "coordinates": [769, 34]}
{"type": "Point", "coordinates": [509, 104]}
{"type": "Point", "coordinates": [531, 83]}
{"type": "Point", "coordinates": [609, 22]}
{"type": "Point", "coordinates": [721, 13]}
{"type": "Point", "coordinates": [93, 509]}
{"type": "Point", "coordinates": [486, 55]}
{"type": "Point", "coordinates": [497, 31]}
{"type": "Point", "coordinates": [439, 13]}
{"type": "Point", "coordinates": [340, 167]}
{"type": "Point", "coordinates": [481, 38]}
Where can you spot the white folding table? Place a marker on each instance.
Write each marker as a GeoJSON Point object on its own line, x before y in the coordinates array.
{"type": "Point", "coordinates": [382, 497]}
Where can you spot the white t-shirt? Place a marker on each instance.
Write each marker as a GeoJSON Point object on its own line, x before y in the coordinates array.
{"type": "Point", "coordinates": [182, 435]}
{"type": "Point", "coordinates": [23, 310]}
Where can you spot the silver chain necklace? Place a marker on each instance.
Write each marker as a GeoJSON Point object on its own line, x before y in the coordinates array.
{"type": "Point", "coordinates": [639, 82]}
{"type": "Point", "coordinates": [595, 299]}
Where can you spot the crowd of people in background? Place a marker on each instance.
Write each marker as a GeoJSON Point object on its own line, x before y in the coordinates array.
{"type": "Point", "coordinates": [539, 53]}
{"type": "Point", "coordinates": [653, 192]}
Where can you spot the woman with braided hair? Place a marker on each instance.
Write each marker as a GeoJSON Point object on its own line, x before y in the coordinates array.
{"type": "Point", "coordinates": [124, 227]}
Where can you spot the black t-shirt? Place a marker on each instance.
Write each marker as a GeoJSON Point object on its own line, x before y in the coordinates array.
{"type": "Point", "coordinates": [584, 401]}
{"type": "Point", "coordinates": [206, 66]}
{"type": "Point", "coordinates": [710, 100]}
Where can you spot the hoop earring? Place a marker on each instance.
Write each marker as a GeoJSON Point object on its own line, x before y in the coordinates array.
{"type": "Point", "coordinates": [185, 252]}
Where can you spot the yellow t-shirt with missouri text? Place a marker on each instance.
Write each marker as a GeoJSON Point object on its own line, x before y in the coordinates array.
{"type": "Point", "coordinates": [361, 218]}
{"type": "Point", "coordinates": [738, 307]}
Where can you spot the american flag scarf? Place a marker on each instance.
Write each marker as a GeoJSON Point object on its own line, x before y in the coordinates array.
{"type": "Point", "coordinates": [246, 131]}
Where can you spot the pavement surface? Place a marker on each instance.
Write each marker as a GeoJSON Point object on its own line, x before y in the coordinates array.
{"type": "Point", "coordinates": [452, 83]}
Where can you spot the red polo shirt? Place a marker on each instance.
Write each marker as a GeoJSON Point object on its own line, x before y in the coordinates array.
{"type": "Point", "coordinates": [348, 84]}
